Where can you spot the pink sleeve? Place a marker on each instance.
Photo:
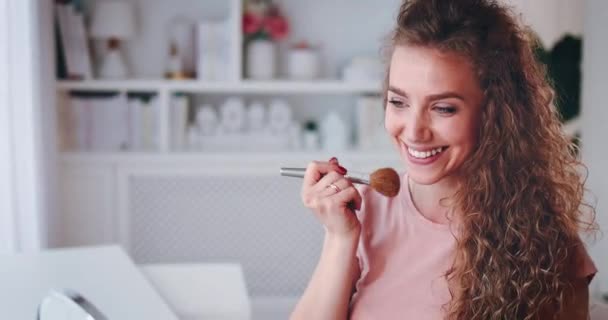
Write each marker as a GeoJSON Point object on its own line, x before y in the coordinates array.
{"type": "Point", "coordinates": [585, 268]}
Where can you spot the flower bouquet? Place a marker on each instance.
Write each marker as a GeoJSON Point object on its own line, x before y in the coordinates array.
{"type": "Point", "coordinates": [262, 19]}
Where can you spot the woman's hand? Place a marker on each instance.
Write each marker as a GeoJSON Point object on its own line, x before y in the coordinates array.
{"type": "Point", "coordinates": [332, 197]}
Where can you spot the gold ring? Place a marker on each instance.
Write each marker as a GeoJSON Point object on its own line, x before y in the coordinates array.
{"type": "Point", "coordinates": [335, 187]}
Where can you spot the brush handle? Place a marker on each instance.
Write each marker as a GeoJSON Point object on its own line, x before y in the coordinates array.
{"type": "Point", "coordinates": [360, 178]}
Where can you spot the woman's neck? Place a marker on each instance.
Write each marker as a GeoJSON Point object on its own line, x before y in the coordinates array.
{"type": "Point", "coordinates": [433, 200]}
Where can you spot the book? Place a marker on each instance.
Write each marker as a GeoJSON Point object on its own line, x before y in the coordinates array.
{"type": "Point", "coordinates": [62, 16]}
{"type": "Point", "coordinates": [73, 41]}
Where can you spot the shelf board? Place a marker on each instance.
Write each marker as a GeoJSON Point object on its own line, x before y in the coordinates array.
{"type": "Point", "coordinates": [109, 85]}
{"type": "Point", "coordinates": [224, 157]}
{"type": "Point", "coordinates": [246, 86]}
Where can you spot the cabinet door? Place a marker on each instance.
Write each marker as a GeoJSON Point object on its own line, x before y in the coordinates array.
{"type": "Point", "coordinates": [87, 205]}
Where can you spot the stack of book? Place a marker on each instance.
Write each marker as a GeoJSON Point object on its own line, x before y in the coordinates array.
{"type": "Point", "coordinates": [110, 124]}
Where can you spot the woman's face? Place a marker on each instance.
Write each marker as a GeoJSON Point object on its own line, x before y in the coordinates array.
{"type": "Point", "coordinates": [433, 111]}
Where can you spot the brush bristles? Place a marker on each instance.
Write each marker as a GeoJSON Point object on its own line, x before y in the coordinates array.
{"type": "Point", "coordinates": [386, 181]}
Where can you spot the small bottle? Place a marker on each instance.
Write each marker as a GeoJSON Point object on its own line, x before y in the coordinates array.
{"type": "Point", "coordinates": [174, 65]}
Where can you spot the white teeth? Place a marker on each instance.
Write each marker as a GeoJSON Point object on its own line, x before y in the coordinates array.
{"type": "Point", "coordinates": [424, 154]}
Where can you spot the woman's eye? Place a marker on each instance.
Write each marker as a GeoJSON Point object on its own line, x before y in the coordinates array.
{"type": "Point", "coordinates": [446, 110]}
{"type": "Point", "coordinates": [397, 103]}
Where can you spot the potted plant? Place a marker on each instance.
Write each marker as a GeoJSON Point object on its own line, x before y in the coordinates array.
{"type": "Point", "coordinates": [263, 25]}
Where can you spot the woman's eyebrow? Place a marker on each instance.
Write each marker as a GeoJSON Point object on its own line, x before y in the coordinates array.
{"type": "Point", "coordinates": [445, 95]}
{"type": "Point", "coordinates": [438, 96]}
{"type": "Point", "coordinates": [397, 91]}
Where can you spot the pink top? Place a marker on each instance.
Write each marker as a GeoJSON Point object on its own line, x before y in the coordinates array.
{"type": "Point", "coordinates": [403, 258]}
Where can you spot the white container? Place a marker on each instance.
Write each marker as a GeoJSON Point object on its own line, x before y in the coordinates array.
{"type": "Point", "coordinates": [303, 64]}
{"type": "Point", "coordinates": [207, 120]}
{"type": "Point", "coordinates": [335, 132]}
{"type": "Point", "coordinates": [256, 116]}
{"type": "Point", "coordinates": [310, 140]}
{"type": "Point", "coordinates": [279, 116]}
{"type": "Point", "coordinates": [233, 115]}
{"type": "Point", "coordinates": [261, 59]}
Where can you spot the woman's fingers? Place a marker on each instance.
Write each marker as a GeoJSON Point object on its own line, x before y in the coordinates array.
{"type": "Point", "coordinates": [312, 194]}
{"type": "Point", "coordinates": [317, 169]}
{"type": "Point", "coordinates": [335, 184]}
{"type": "Point", "coordinates": [327, 180]}
{"type": "Point", "coordinates": [349, 195]}
{"type": "Point", "coordinates": [331, 196]}
{"type": "Point", "coordinates": [344, 192]}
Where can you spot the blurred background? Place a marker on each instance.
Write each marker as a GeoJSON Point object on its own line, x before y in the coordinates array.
{"type": "Point", "coordinates": [160, 126]}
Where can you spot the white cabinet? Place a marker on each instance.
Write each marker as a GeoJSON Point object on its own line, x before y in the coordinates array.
{"type": "Point", "coordinates": [87, 204]}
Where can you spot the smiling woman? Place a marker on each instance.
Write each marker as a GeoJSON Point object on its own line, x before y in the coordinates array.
{"type": "Point", "coordinates": [486, 224]}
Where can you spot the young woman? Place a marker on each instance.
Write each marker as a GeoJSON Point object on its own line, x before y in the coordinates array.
{"type": "Point", "coordinates": [486, 222]}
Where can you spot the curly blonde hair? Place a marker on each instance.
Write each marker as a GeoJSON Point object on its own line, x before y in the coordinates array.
{"type": "Point", "coordinates": [521, 191]}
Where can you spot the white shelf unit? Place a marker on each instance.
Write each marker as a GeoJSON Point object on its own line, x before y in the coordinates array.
{"type": "Point", "coordinates": [148, 78]}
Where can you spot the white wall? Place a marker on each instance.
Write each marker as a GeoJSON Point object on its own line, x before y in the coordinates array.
{"type": "Point", "coordinates": [323, 22]}
{"type": "Point", "coordinates": [550, 19]}
{"type": "Point", "coordinates": [594, 123]}
{"type": "Point", "coordinates": [7, 202]}
{"type": "Point", "coordinates": [22, 209]}
{"type": "Point", "coordinates": [330, 24]}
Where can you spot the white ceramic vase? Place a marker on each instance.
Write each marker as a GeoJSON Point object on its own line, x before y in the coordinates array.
{"type": "Point", "coordinates": [261, 59]}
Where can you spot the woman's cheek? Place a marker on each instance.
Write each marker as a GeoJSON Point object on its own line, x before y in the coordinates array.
{"type": "Point", "coordinates": [391, 126]}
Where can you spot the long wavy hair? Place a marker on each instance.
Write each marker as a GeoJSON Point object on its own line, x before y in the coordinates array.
{"type": "Point", "coordinates": [521, 192]}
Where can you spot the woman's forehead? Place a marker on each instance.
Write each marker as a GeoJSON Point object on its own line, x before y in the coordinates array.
{"type": "Point", "coordinates": [424, 68]}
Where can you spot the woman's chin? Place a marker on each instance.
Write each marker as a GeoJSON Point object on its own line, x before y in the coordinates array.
{"type": "Point", "coordinates": [423, 179]}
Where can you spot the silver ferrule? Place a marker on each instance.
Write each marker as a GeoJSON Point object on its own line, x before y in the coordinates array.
{"type": "Point", "coordinates": [293, 172]}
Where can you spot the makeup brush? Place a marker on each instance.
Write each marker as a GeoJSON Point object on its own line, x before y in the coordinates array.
{"type": "Point", "coordinates": [384, 180]}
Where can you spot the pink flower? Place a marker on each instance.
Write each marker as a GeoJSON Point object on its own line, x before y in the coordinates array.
{"type": "Point", "coordinates": [251, 23]}
{"type": "Point", "coordinates": [276, 26]}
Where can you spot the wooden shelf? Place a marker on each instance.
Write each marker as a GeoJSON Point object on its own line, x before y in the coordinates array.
{"type": "Point", "coordinates": [246, 86]}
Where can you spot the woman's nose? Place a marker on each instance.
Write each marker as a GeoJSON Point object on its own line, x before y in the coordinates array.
{"type": "Point", "coordinates": [417, 128]}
